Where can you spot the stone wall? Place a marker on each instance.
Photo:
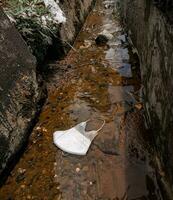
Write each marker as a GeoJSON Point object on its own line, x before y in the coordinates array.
{"type": "Point", "coordinates": [76, 12]}
{"type": "Point", "coordinates": [19, 92]}
{"type": "Point", "coordinates": [152, 34]}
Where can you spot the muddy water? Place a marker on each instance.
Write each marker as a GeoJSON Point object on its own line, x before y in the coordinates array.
{"type": "Point", "coordinates": [92, 82]}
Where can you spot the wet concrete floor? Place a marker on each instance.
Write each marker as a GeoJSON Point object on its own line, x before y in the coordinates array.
{"type": "Point", "coordinates": [92, 82]}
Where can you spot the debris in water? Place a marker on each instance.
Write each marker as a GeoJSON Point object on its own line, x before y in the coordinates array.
{"type": "Point", "coordinates": [138, 106]}
{"type": "Point", "coordinates": [41, 129]}
{"type": "Point", "coordinates": [107, 34]}
{"type": "Point", "coordinates": [101, 40]}
{"type": "Point", "coordinates": [77, 170]}
{"type": "Point", "coordinates": [87, 44]}
{"type": "Point", "coordinates": [21, 171]}
{"type": "Point", "coordinates": [91, 183]}
{"type": "Point", "coordinates": [75, 140]}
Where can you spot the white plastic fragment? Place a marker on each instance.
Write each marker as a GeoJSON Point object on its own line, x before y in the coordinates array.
{"type": "Point", "coordinates": [55, 11]}
{"type": "Point", "coordinates": [107, 34]}
{"type": "Point", "coordinates": [75, 140]}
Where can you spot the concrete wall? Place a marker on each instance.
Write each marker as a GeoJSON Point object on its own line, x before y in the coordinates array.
{"type": "Point", "coordinates": [152, 35]}
{"type": "Point", "coordinates": [19, 92]}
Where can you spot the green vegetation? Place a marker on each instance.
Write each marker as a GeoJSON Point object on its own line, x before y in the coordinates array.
{"type": "Point", "coordinates": [34, 22]}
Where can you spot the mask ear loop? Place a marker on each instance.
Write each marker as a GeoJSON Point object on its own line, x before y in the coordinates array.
{"type": "Point", "coordinates": [101, 125]}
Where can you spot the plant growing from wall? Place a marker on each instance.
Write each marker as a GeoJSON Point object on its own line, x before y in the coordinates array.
{"type": "Point", "coordinates": [34, 22]}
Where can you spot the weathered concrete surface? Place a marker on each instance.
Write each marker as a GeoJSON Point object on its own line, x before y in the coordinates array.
{"type": "Point", "coordinates": [19, 92]}
{"type": "Point", "coordinates": [152, 34]}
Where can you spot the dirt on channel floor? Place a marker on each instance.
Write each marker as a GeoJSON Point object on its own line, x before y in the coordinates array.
{"type": "Point", "coordinates": [92, 82]}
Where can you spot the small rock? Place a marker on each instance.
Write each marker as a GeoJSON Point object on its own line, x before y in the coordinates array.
{"type": "Point", "coordinates": [77, 170]}
{"type": "Point", "coordinates": [138, 106]}
{"type": "Point", "coordinates": [41, 129]}
{"type": "Point", "coordinates": [44, 130]}
{"type": "Point", "coordinates": [23, 186]}
{"type": "Point", "coordinates": [21, 171]}
{"type": "Point", "coordinates": [28, 197]}
{"type": "Point", "coordinates": [86, 45]}
{"type": "Point", "coordinates": [101, 40]}
{"type": "Point", "coordinates": [91, 183]}
{"type": "Point", "coordinates": [58, 188]}
{"type": "Point", "coordinates": [38, 128]}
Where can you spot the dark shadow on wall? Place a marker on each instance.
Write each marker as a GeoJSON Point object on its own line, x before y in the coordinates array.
{"type": "Point", "coordinates": [166, 6]}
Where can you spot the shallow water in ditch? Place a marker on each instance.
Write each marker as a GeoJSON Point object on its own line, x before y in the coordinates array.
{"type": "Point", "coordinates": [92, 82]}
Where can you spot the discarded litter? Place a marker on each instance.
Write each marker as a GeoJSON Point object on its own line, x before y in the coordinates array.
{"type": "Point", "coordinates": [75, 140]}
{"type": "Point", "coordinates": [87, 44]}
{"type": "Point", "coordinates": [107, 34]}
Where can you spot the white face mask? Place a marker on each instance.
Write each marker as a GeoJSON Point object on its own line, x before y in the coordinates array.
{"type": "Point", "coordinates": [75, 140]}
